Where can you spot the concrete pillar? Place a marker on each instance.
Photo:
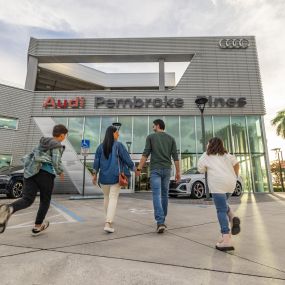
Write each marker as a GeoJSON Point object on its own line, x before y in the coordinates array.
{"type": "Point", "coordinates": [32, 69]}
{"type": "Point", "coordinates": [161, 75]}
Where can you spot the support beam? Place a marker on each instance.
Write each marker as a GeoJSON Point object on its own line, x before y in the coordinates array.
{"type": "Point", "coordinates": [161, 75]}
{"type": "Point", "coordinates": [32, 69]}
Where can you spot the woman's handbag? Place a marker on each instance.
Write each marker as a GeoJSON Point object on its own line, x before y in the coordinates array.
{"type": "Point", "coordinates": [123, 179]}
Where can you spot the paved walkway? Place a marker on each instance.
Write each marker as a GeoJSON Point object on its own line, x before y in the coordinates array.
{"type": "Point", "coordinates": [75, 249]}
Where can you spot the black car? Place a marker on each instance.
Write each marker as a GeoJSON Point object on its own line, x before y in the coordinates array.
{"type": "Point", "coordinates": [11, 181]}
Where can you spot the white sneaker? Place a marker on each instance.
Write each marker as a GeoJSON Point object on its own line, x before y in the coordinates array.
{"type": "Point", "coordinates": [109, 229]}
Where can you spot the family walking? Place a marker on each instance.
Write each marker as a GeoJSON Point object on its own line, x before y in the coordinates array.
{"type": "Point", "coordinates": [111, 160]}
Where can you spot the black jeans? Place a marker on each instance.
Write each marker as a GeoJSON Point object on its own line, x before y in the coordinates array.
{"type": "Point", "coordinates": [41, 182]}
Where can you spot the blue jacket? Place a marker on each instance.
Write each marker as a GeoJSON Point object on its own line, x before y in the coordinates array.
{"type": "Point", "coordinates": [108, 168]}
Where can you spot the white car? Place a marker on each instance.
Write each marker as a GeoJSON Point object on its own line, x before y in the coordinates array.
{"type": "Point", "coordinates": [192, 183]}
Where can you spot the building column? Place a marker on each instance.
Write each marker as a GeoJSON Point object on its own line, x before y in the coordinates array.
{"type": "Point", "coordinates": [32, 69]}
{"type": "Point", "coordinates": [161, 75]}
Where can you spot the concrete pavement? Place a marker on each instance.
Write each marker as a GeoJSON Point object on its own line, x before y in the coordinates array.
{"type": "Point", "coordinates": [76, 250]}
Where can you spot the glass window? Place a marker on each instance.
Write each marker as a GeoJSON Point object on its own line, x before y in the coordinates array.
{"type": "Point", "coordinates": [151, 119]}
{"type": "Point", "coordinates": [239, 135]}
{"type": "Point", "coordinates": [208, 131]}
{"type": "Point", "coordinates": [75, 130]}
{"type": "Point", "coordinates": [188, 161]}
{"type": "Point", "coordinates": [245, 171]}
{"type": "Point", "coordinates": [140, 133]}
{"type": "Point", "coordinates": [259, 173]}
{"type": "Point", "coordinates": [5, 160]}
{"type": "Point", "coordinates": [107, 121]}
{"type": "Point", "coordinates": [8, 123]}
{"type": "Point", "coordinates": [188, 137]}
{"type": "Point", "coordinates": [92, 132]}
{"type": "Point", "coordinates": [60, 120]}
{"type": "Point", "coordinates": [126, 130]}
{"type": "Point", "coordinates": [223, 131]}
{"type": "Point", "coordinates": [254, 134]}
{"type": "Point", "coordinates": [172, 128]}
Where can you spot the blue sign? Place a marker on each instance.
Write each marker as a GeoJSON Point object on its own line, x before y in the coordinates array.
{"type": "Point", "coordinates": [85, 144]}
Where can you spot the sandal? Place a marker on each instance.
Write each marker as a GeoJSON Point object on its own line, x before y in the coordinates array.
{"type": "Point", "coordinates": [37, 231]}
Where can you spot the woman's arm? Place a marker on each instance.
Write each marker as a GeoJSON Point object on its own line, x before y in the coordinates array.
{"type": "Point", "coordinates": [236, 169]}
{"type": "Point", "coordinates": [125, 157]}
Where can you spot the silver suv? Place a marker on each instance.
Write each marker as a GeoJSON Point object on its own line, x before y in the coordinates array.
{"type": "Point", "coordinates": [192, 183]}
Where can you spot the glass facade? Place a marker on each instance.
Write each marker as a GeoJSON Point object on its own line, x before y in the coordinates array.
{"type": "Point", "coordinates": [242, 136]}
{"type": "Point", "coordinates": [9, 123]}
{"type": "Point", "coordinates": [5, 160]}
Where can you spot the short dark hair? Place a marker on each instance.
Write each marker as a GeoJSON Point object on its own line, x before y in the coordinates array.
{"type": "Point", "coordinates": [59, 130]}
{"type": "Point", "coordinates": [160, 123]}
{"type": "Point", "coordinates": [216, 146]}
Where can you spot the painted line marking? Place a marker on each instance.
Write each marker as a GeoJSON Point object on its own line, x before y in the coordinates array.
{"type": "Point", "coordinates": [68, 214]}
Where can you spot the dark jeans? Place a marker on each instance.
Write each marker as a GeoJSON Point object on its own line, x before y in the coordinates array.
{"type": "Point", "coordinates": [42, 182]}
{"type": "Point", "coordinates": [159, 180]}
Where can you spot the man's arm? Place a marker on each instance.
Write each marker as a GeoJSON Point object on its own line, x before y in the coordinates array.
{"type": "Point", "coordinates": [141, 164]}
{"type": "Point", "coordinates": [177, 173]}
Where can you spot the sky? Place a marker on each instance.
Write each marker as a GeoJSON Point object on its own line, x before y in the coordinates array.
{"type": "Point", "coordinates": [264, 19]}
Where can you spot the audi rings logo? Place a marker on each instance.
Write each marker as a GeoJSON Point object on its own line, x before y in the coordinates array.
{"type": "Point", "coordinates": [234, 43]}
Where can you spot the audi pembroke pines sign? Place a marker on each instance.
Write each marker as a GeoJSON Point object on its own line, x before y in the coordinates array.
{"type": "Point", "coordinates": [136, 102]}
{"type": "Point", "coordinates": [234, 43]}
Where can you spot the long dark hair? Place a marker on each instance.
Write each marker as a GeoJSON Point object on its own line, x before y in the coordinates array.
{"type": "Point", "coordinates": [216, 146]}
{"type": "Point", "coordinates": [108, 141]}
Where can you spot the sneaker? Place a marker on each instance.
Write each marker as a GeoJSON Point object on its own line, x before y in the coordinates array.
{"type": "Point", "coordinates": [5, 214]}
{"type": "Point", "coordinates": [160, 228]}
{"type": "Point", "coordinates": [235, 226]}
{"type": "Point", "coordinates": [225, 244]}
{"type": "Point", "coordinates": [109, 229]}
{"type": "Point", "coordinates": [37, 231]}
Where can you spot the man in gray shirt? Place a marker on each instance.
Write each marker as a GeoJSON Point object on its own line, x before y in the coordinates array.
{"type": "Point", "coordinates": [162, 147]}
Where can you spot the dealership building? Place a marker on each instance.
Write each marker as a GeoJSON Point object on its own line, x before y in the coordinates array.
{"type": "Point", "coordinates": [62, 88]}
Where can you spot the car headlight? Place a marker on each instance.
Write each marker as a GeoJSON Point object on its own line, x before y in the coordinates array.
{"type": "Point", "coordinates": [4, 177]}
{"type": "Point", "coordinates": [186, 180]}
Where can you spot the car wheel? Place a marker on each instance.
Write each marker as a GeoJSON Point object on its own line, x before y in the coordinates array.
{"type": "Point", "coordinates": [198, 190]}
{"type": "Point", "coordinates": [238, 190]}
{"type": "Point", "coordinates": [16, 190]}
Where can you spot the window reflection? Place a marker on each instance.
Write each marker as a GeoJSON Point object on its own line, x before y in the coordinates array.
{"type": "Point", "coordinates": [140, 133]}
{"type": "Point", "coordinates": [188, 137]}
{"type": "Point", "coordinates": [8, 123]}
{"type": "Point", "coordinates": [75, 130]}
{"type": "Point", "coordinates": [92, 132]}
{"type": "Point", "coordinates": [223, 131]}
{"type": "Point", "coordinates": [107, 121]}
{"type": "Point", "coordinates": [126, 130]}
{"type": "Point", "coordinates": [5, 160]}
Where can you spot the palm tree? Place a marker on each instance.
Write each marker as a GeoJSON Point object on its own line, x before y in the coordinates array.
{"type": "Point", "coordinates": [279, 121]}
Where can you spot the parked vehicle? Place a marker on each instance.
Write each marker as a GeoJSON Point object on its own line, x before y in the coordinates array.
{"type": "Point", "coordinates": [11, 181]}
{"type": "Point", "coordinates": [192, 183]}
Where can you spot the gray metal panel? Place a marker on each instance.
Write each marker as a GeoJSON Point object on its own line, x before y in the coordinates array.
{"type": "Point", "coordinates": [212, 71]}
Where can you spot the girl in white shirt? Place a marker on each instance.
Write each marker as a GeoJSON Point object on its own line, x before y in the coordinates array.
{"type": "Point", "coordinates": [222, 169]}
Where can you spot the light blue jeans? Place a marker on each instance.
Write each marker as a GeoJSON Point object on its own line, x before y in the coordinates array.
{"type": "Point", "coordinates": [159, 181]}
{"type": "Point", "coordinates": [222, 208]}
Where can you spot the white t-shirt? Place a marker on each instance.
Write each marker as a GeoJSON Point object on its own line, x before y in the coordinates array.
{"type": "Point", "coordinates": [221, 174]}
